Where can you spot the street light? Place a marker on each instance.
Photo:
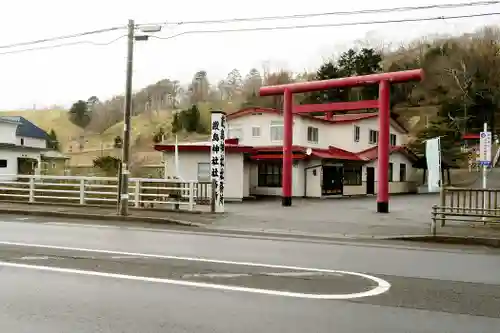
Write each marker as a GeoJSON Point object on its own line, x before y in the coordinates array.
{"type": "Point", "coordinates": [124, 171]}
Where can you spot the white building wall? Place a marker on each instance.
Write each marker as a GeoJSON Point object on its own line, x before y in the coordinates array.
{"type": "Point", "coordinates": [396, 186]}
{"type": "Point", "coordinates": [8, 132]}
{"type": "Point", "coordinates": [188, 167]}
{"type": "Point", "coordinates": [8, 172]}
{"type": "Point", "coordinates": [262, 121]}
{"type": "Point", "coordinates": [313, 178]}
{"type": "Point", "coordinates": [298, 181]}
{"type": "Point", "coordinates": [339, 135]}
{"type": "Point", "coordinates": [342, 135]}
{"type": "Point", "coordinates": [31, 142]}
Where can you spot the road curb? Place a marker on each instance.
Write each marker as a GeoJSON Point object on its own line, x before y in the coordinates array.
{"type": "Point", "coordinates": [101, 217]}
{"type": "Point", "coordinates": [461, 240]}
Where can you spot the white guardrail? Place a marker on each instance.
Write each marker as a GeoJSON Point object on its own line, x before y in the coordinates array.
{"type": "Point", "coordinates": [143, 192]}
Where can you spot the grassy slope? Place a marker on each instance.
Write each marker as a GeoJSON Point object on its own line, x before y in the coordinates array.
{"type": "Point", "coordinates": [50, 119]}
{"type": "Point", "coordinates": [142, 125]}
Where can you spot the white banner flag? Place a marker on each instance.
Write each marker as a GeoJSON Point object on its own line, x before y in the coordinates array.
{"type": "Point", "coordinates": [433, 158]}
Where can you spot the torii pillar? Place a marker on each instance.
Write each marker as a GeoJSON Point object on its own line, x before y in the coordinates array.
{"type": "Point", "coordinates": [383, 103]}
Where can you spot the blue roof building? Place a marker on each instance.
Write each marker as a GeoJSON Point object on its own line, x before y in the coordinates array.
{"type": "Point", "coordinates": [26, 128]}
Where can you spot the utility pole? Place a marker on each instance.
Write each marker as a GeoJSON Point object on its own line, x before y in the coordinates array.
{"type": "Point", "coordinates": [124, 171]}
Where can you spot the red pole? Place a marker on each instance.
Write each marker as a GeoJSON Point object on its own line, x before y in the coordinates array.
{"type": "Point", "coordinates": [287, 148]}
{"type": "Point", "coordinates": [383, 148]}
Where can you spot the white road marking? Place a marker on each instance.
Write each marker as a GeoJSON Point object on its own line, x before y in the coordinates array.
{"type": "Point", "coordinates": [102, 226]}
{"type": "Point", "coordinates": [301, 274]}
{"type": "Point", "coordinates": [382, 285]}
{"type": "Point", "coordinates": [216, 275]}
{"type": "Point", "coordinates": [279, 274]}
{"type": "Point", "coordinates": [381, 288]}
{"type": "Point", "coordinates": [124, 257]}
{"type": "Point", "coordinates": [83, 225]}
{"type": "Point", "coordinates": [34, 258]}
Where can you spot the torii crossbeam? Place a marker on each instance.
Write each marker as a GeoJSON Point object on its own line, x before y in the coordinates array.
{"type": "Point", "coordinates": [383, 104]}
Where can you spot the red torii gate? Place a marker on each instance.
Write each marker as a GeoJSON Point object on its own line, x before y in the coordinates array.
{"type": "Point", "coordinates": [383, 104]}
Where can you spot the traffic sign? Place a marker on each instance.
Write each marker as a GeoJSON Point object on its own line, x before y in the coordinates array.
{"type": "Point", "coordinates": [485, 147]}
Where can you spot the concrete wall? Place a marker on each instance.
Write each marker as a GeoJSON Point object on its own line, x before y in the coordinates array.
{"type": "Point", "coordinates": [188, 166]}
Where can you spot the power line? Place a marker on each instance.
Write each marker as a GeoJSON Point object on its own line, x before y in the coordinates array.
{"type": "Point", "coordinates": [326, 25]}
{"type": "Point", "coordinates": [53, 39]}
{"type": "Point", "coordinates": [62, 45]}
{"type": "Point", "coordinates": [289, 27]}
{"type": "Point", "coordinates": [343, 13]}
{"type": "Point", "coordinates": [265, 18]}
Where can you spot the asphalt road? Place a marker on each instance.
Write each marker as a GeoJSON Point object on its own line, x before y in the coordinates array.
{"type": "Point", "coordinates": [71, 278]}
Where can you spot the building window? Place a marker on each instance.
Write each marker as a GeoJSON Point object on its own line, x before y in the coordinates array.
{"type": "Point", "coordinates": [256, 131]}
{"type": "Point", "coordinates": [203, 172]}
{"type": "Point", "coordinates": [356, 133]}
{"type": "Point", "coordinates": [392, 139]}
{"type": "Point", "coordinates": [22, 141]}
{"type": "Point", "coordinates": [373, 137]}
{"type": "Point", "coordinates": [402, 172]}
{"type": "Point", "coordinates": [276, 130]}
{"type": "Point", "coordinates": [3, 163]}
{"type": "Point", "coordinates": [391, 168]}
{"type": "Point", "coordinates": [352, 175]}
{"type": "Point", "coordinates": [270, 174]}
{"type": "Point", "coordinates": [312, 134]}
{"type": "Point", "coordinates": [235, 133]}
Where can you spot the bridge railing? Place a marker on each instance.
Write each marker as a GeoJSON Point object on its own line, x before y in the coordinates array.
{"type": "Point", "coordinates": [143, 192]}
{"type": "Point", "coordinates": [470, 205]}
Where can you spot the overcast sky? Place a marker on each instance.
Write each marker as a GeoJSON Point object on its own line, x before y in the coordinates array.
{"type": "Point", "coordinates": [63, 75]}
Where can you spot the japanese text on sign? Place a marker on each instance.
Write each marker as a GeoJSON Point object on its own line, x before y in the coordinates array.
{"type": "Point", "coordinates": [218, 158]}
{"type": "Point", "coordinates": [485, 147]}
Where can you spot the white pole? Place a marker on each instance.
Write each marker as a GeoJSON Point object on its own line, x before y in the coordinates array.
{"type": "Point", "coordinates": [485, 167]}
{"type": "Point", "coordinates": [176, 157]}
{"type": "Point", "coordinates": [485, 181]}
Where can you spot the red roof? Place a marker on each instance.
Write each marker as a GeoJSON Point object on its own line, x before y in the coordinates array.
{"type": "Point", "coordinates": [371, 154]}
{"type": "Point", "coordinates": [276, 156]}
{"type": "Point", "coordinates": [336, 119]}
{"type": "Point", "coordinates": [471, 136]}
{"type": "Point", "coordinates": [331, 152]}
{"type": "Point", "coordinates": [231, 146]}
{"type": "Point", "coordinates": [342, 118]}
{"type": "Point", "coordinates": [276, 152]}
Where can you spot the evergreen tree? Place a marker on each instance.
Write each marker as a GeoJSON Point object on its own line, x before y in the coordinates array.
{"type": "Point", "coordinates": [118, 142]}
{"type": "Point", "coordinates": [80, 114]}
{"type": "Point", "coordinates": [451, 150]}
{"type": "Point", "coordinates": [53, 142]}
{"type": "Point", "coordinates": [176, 123]}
